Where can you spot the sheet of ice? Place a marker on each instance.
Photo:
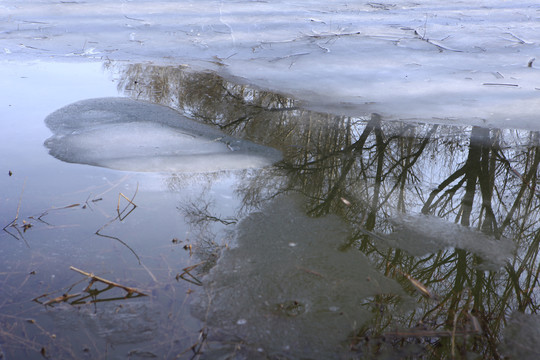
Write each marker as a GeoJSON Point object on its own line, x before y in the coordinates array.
{"type": "Point", "coordinates": [126, 134]}
{"type": "Point", "coordinates": [285, 288]}
{"type": "Point", "coordinates": [423, 234]}
{"type": "Point", "coordinates": [430, 60]}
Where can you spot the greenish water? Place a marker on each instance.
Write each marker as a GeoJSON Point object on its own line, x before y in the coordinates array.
{"type": "Point", "coordinates": [371, 238]}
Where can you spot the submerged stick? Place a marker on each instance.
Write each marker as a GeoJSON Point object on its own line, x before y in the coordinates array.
{"type": "Point", "coordinates": [431, 333]}
{"type": "Point", "coordinates": [121, 217]}
{"type": "Point", "coordinates": [121, 242]}
{"type": "Point", "coordinates": [46, 212]}
{"type": "Point", "coordinates": [473, 328]}
{"type": "Point", "coordinates": [500, 84]}
{"type": "Point", "coordinates": [194, 280]}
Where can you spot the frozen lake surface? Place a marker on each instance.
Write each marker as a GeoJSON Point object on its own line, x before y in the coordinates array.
{"type": "Point", "coordinates": [427, 60]}
{"type": "Point", "coordinates": [269, 180]}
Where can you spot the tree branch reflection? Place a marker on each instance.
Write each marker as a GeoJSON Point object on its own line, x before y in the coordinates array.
{"type": "Point", "coordinates": [372, 171]}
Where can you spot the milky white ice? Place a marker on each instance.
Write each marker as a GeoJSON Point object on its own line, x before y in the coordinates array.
{"type": "Point", "coordinates": [446, 61]}
{"type": "Point", "coordinates": [125, 134]}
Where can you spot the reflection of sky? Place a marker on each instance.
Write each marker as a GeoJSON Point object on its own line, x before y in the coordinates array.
{"type": "Point", "coordinates": [30, 92]}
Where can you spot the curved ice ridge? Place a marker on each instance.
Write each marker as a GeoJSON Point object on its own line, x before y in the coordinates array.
{"type": "Point", "coordinates": [131, 135]}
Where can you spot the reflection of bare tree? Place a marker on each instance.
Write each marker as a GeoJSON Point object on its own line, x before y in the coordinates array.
{"type": "Point", "coordinates": [207, 97]}
{"type": "Point", "coordinates": [477, 168]}
{"type": "Point", "coordinates": [206, 223]}
{"type": "Point", "coordinates": [367, 171]}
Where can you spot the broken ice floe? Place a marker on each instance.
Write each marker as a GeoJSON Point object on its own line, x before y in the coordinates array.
{"type": "Point", "coordinates": [125, 134]}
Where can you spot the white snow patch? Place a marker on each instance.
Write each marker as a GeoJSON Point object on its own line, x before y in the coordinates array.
{"type": "Point", "coordinates": [428, 60]}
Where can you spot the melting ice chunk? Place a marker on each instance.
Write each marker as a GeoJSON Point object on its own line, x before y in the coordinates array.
{"type": "Point", "coordinates": [125, 134]}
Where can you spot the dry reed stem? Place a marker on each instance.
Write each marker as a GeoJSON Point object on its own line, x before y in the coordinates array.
{"type": "Point", "coordinates": [94, 278]}
{"type": "Point", "coordinates": [14, 221]}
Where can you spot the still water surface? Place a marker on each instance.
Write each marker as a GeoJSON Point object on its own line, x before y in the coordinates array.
{"type": "Point", "coordinates": [369, 239]}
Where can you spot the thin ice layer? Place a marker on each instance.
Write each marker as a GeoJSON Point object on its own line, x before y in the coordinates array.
{"type": "Point", "coordinates": [125, 134]}
{"type": "Point", "coordinates": [286, 288]}
{"type": "Point", "coordinates": [521, 334]}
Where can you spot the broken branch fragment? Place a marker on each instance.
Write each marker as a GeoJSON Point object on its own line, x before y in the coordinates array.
{"type": "Point", "coordinates": [61, 298]}
{"type": "Point", "coordinates": [95, 278]}
{"type": "Point", "coordinates": [500, 84]}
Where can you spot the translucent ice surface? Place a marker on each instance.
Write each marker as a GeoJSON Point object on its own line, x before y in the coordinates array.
{"type": "Point", "coordinates": [521, 334]}
{"type": "Point", "coordinates": [132, 135]}
{"type": "Point", "coordinates": [287, 289]}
